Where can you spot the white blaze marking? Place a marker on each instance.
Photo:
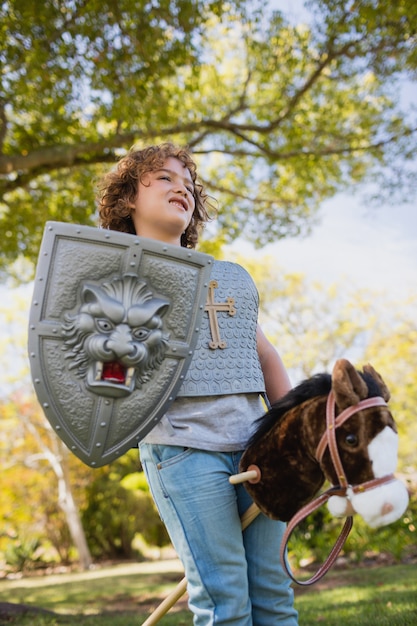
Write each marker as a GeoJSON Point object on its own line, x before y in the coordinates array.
{"type": "Point", "coordinates": [383, 451]}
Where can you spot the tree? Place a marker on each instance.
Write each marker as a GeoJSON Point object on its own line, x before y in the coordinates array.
{"type": "Point", "coordinates": [47, 449]}
{"type": "Point", "coordinates": [279, 116]}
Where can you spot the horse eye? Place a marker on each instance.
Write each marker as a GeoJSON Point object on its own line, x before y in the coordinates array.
{"type": "Point", "coordinates": [351, 439]}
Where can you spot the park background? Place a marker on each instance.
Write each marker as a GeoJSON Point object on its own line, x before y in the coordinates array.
{"type": "Point", "coordinates": [342, 287]}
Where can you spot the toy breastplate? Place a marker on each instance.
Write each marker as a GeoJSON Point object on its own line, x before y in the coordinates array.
{"type": "Point", "coordinates": [225, 360]}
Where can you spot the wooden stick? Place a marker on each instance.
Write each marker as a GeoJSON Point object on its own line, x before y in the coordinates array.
{"type": "Point", "coordinates": [161, 610]}
{"type": "Point", "coordinates": [167, 604]}
{"type": "Point", "coordinates": [252, 475]}
{"type": "Point", "coordinates": [243, 477]}
{"type": "Point", "coordinates": [249, 515]}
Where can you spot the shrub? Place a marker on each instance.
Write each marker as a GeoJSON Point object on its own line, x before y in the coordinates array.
{"type": "Point", "coordinates": [119, 506]}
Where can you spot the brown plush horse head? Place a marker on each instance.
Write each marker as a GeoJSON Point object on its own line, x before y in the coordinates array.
{"type": "Point", "coordinates": [291, 448]}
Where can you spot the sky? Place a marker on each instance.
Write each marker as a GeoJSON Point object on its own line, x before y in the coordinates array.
{"type": "Point", "coordinates": [370, 248]}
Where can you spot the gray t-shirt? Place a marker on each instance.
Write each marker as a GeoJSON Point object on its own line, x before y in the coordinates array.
{"type": "Point", "coordinates": [217, 423]}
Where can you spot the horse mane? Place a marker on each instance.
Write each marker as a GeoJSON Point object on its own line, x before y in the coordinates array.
{"type": "Point", "coordinates": [317, 385]}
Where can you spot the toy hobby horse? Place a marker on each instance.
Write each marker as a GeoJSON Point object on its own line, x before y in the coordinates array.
{"type": "Point", "coordinates": [336, 428]}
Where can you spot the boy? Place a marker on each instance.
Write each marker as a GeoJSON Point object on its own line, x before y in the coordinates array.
{"type": "Point", "coordinates": [234, 577]}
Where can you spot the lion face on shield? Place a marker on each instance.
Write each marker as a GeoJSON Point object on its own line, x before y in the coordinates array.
{"type": "Point", "coordinates": [116, 339]}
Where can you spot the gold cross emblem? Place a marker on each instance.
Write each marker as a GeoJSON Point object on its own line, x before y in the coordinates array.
{"type": "Point", "coordinates": [212, 307]}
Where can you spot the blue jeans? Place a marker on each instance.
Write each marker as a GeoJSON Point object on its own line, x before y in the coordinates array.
{"type": "Point", "coordinates": [233, 577]}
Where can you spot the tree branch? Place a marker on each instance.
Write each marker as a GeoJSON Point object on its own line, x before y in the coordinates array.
{"type": "Point", "coordinates": [3, 122]}
{"type": "Point", "coordinates": [49, 159]}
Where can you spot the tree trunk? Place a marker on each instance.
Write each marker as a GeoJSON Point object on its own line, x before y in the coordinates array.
{"type": "Point", "coordinates": [57, 456]}
{"type": "Point", "coordinates": [68, 506]}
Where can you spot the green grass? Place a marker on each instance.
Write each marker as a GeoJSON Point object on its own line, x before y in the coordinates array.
{"type": "Point", "coordinates": [377, 596]}
{"type": "Point", "coordinates": [125, 595]}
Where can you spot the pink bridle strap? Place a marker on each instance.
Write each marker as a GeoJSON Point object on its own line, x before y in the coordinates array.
{"type": "Point", "coordinates": [332, 423]}
{"type": "Point", "coordinates": [334, 553]}
{"type": "Point", "coordinates": [329, 439]}
{"type": "Point", "coordinates": [344, 533]}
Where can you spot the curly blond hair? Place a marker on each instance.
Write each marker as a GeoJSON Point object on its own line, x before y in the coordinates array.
{"type": "Point", "coordinates": [117, 190]}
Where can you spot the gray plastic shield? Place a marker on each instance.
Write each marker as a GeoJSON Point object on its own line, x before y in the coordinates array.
{"type": "Point", "coordinates": [113, 325]}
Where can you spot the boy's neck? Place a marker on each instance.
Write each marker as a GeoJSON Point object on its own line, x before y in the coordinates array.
{"type": "Point", "coordinates": [164, 237]}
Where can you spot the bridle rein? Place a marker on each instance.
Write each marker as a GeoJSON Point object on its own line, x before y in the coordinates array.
{"type": "Point", "coordinates": [328, 440]}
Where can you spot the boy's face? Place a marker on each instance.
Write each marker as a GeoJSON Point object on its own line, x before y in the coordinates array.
{"type": "Point", "coordinates": [164, 203]}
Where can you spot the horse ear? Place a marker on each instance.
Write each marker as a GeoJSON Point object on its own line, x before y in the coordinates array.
{"type": "Point", "coordinates": [368, 369]}
{"type": "Point", "coordinates": [348, 386]}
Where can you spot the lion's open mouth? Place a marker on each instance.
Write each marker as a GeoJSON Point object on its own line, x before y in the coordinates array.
{"type": "Point", "coordinates": [113, 373]}
{"type": "Point", "coordinates": [110, 379]}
